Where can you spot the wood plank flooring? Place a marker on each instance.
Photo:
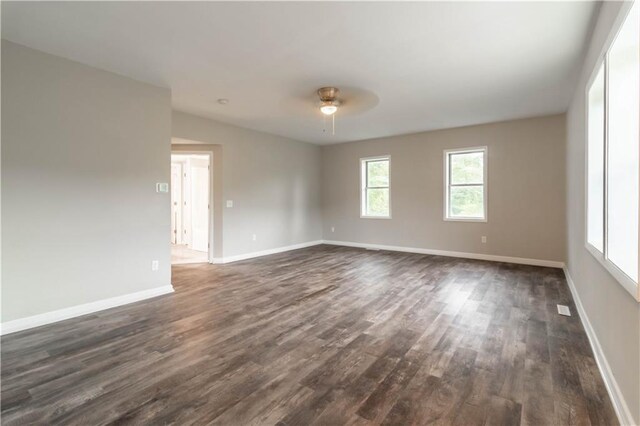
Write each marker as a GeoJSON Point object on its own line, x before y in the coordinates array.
{"type": "Point", "coordinates": [319, 336]}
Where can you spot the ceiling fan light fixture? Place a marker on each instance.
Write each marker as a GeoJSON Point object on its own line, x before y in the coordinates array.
{"type": "Point", "coordinates": [329, 104]}
{"type": "Point", "coordinates": [328, 100]}
{"type": "Point", "coordinates": [328, 108]}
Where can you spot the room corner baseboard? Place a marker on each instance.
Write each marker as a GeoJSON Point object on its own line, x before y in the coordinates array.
{"type": "Point", "coordinates": [617, 398]}
{"type": "Point", "coordinates": [79, 310]}
{"type": "Point", "coordinates": [245, 256]}
{"type": "Point", "coordinates": [476, 256]}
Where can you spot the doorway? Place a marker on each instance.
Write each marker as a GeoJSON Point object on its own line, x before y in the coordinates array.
{"type": "Point", "coordinates": [190, 208]}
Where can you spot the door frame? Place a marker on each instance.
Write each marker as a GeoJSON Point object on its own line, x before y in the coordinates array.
{"type": "Point", "coordinates": [175, 234]}
{"type": "Point", "coordinates": [211, 234]}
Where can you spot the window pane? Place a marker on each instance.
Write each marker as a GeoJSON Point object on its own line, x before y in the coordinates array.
{"type": "Point", "coordinates": [466, 201]}
{"type": "Point", "coordinates": [467, 168]}
{"type": "Point", "coordinates": [595, 162]}
{"type": "Point", "coordinates": [378, 202]}
{"type": "Point", "coordinates": [624, 108]}
{"type": "Point", "coordinates": [378, 173]}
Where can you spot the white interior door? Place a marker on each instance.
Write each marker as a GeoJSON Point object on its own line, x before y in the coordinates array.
{"type": "Point", "coordinates": [176, 203]}
{"type": "Point", "coordinates": [186, 202]}
{"type": "Point", "coordinates": [200, 206]}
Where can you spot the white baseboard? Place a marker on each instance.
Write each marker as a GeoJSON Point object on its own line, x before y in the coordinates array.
{"type": "Point", "coordinates": [617, 398]}
{"type": "Point", "coordinates": [79, 310]}
{"type": "Point", "coordinates": [245, 256]}
{"type": "Point", "coordinates": [478, 256]}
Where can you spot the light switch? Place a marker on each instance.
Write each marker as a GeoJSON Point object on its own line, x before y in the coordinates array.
{"type": "Point", "coordinates": [229, 203]}
{"type": "Point", "coordinates": [162, 187]}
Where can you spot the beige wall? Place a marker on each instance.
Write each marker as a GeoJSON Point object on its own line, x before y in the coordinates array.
{"type": "Point", "coordinates": [611, 310]}
{"type": "Point", "coordinates": [82, 150]}
{"type": "Point", "coordinates": [526, 216]}
{"type": "Point", "coordinates": [274, 183]}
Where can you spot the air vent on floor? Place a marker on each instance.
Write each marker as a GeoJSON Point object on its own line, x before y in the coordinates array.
{"type": "Point", "coordinates": [564, 310]}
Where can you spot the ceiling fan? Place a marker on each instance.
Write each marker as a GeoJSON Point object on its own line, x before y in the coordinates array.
{"type": "Point", "coordinates": [345, 103]}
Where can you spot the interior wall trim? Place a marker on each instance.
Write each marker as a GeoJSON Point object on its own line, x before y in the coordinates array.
{"type": "Point", "coordinates": [79, 310]}
{"type": "Point", "coordinates": [236, 258]}
{"type": "Point", "coordinates": [478, 256]}
{"type": "Point", "coordinates": [617, 398]}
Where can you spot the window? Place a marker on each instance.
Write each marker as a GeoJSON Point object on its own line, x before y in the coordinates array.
{"type": "Point", "coordinates": [375, 188]}
{"type": "Point", "coordinates": [465, 184]}
{"type": "Point", "coordinates": [595, 176]}
{"type": "Point", "coordinates": [613, 155]}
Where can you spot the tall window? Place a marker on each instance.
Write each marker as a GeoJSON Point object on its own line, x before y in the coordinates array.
{"type": "Point", "coordinates": [375, 187]}
{"type": "Point", "coordinates": [595, 176]}
{"type": "Point", "coordinates": [613, 155]}
{"type": "Point", "coordinates": [465, 184]}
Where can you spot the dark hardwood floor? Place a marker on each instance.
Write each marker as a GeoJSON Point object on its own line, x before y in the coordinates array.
{"type": "Point", "coordinates": [324, 335]}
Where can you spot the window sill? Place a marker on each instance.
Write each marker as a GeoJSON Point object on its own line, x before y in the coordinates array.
{"type": "Point", "coordinates": [622, 278]}
{"type": "Point", "coordinates": [375, 217]}
{"type": "Point", "coordinates": [463, 219]}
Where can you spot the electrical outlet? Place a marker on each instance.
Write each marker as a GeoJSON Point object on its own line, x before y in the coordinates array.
{"type": "Point", "coordinates": [333, 229]}
{"type": "Point", "coordinates": [484, 239]}
{"type": "Point", "coordinates": [155, 265]}
{"type": "Point", "coordinates": [229, 203]}
{"type": "Point", "coordinates": [255, 237]}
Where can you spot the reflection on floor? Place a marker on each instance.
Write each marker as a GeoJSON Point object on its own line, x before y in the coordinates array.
{"type": "Point", "coordinates": [183, 254]}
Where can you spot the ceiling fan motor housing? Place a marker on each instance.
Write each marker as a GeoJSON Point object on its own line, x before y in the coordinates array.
{"type": "Point", "coordinates": [328, 94]}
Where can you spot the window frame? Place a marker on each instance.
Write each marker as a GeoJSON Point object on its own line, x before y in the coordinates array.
{"type": "Point", "coordinates": [447, 184]}
{"type": "Point", "coordinates": [623, 279]}
{"type": "Point", "coordinates": [363, 186]}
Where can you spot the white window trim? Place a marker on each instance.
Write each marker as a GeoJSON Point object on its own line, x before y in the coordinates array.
{"type": "Point", "coordinates": [616, 272]}
{"type": "Point", "coordinates": [363, 186]}
{"type": "Point", "coordinates": [485, 182]}
{"type": "Point", "coordinates": [623, 279]}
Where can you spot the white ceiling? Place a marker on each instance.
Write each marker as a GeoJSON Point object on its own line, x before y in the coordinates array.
{"type": "Point", "coordinates": [403, 67]}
